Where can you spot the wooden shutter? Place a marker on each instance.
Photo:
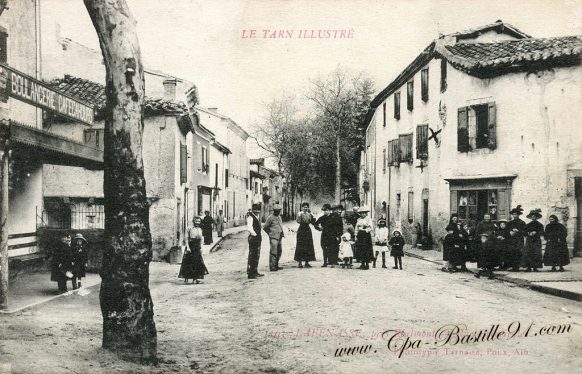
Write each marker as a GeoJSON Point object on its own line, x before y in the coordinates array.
{"type": "Point", "coordinates": [410, 95]}
{"type": "Point", "coordinates": [422, 142]}
{"type": "Point", "coordinates": [472, 128]}
{"type": "Point", "coordinates": [424, 84]}
{"type": "Point", "coordinates": [463, 131]}
{"type": "Point", "coordinates": [503, 203]}
{"type": "Point", "coordinates": [3, 47]}
{"type": "Point", "coordinates": [492, 126]}
{"type": "Point", "coordinates": [384, 114]}
{"type": "Point", "coordinates": [397, 105]}
{"type": "Point", "coordinates": [183, 163]}
{"type": "Point", "coordinates": [454, 202]}
{"type": "Point", "coordinates": [396, 152]}
{"type": "Point", "coordinates": [443, 75]}
{"type": "Point", "coordinates": [384, 160]}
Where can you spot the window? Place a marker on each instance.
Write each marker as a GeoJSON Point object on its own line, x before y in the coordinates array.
{"type": "Point", "coordinates": [225, 177]}
{"type": "Point", "coordinates": [3, 46]}
{"type": "Point", "coordinates": [397, 105]}
{"type": "Point", "coordinates": [94, 138]}
{"type": "Point", "coordinates": [476, 127]}
{"type": "Point", "coordinates": [393, 151]}
{"type": "Point", "coordinates": [410, 95]}
{"type": "Point", "coordinates": [424, 84]}
{"type": "Point", "coordinates": [183, 163]}
{"type": "Point", "coordinates": [422, 142]}
{"type": "Point", "coordinates": [443, 75]}
{"type": "Point", "coordinates": [410, 206]}
{"type": "Point", "coordinates": [204, 159]}
{"type": "Point", "coordinates": [405, 147]}
{"type": "Point", "coordinates": [256, 187]}
{"type": "Point", "coordinates": [474, 204]}
{"type": "Point", "coordinates": [384, 160]}
{"type": "Point", "coordinates": [215, 175]}
{"type": "Point", "coordinates": [384, 114]}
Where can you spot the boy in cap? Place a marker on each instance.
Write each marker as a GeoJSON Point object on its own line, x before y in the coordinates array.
{"type": "Point", "coordinates": [487, 257]}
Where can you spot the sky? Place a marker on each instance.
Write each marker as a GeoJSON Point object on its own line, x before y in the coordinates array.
{"type": "Point", "coordinates": [202, 40]}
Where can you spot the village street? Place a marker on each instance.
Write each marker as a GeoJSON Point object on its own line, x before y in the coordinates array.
{"type": "Point", "coordinates": [295, 319]}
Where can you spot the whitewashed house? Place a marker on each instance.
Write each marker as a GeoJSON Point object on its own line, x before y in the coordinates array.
{"type": "Point", "coordinates": [479, 122]}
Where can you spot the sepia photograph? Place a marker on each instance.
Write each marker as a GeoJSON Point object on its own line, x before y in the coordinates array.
{"type": "Point", "coordinates": [290, 186]}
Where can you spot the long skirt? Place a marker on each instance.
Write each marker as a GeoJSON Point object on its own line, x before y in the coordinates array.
{"type": "Point", "coordinates": [556, 254]}
{"type": "Point", "coordinates": [304, 250]}
{"type": "Point", "coordinates": [514, 251]}
{"type": "Point", "coordinates": [193, 266]}
{"type": "Point", "coordinates": [364, 247]}
{"type": "Point", "coordinates": [532, 253]}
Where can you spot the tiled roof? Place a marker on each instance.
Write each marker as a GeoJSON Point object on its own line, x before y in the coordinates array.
{"type": "Point", "coordinates": [497, 58]}
{"type": "Point", "coordinates": [93, 93]}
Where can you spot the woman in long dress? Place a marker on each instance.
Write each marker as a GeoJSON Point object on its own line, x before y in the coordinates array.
{"type": "Point", "coordinates": [193, 266]}
{"type": "Point", "coordinates": [556, 249]}
{"type": "Point", "coordinates": [304, 250]}
{"type": "Point", "coordinates": [533, 241]}
{"type": "Point", "coordinates": [364, 244]}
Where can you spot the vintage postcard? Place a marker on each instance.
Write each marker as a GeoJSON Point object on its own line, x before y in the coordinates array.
{"type": "Point", "coordinates": [290, 186]}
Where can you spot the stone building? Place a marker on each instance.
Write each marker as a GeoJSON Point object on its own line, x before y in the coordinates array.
{"type": "Point", "coordinates": [168, 167]}
{"type": "Point", "coordinates": [479, 122]}
{"type": "Point", "coordinates": [235, 195]}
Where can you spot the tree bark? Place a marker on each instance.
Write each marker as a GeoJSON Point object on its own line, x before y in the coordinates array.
{"type": "Point", "coordinates": [126, 304]}
{"type": "Point", "coordinates": [338, 171]}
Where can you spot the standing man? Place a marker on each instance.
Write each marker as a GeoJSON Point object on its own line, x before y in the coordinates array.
{"type": "Point", "coordinates": [207, 224]}
{"type": "Point", "coordinates": [254, 227]}
{"type": "Point", "coordinates": [274, 228]}
{"type": "Point", "coordinates": [327, 240]}
{"type": "Point", "coordinates": [219, 223]}
{"type": "Point", "coordinates": [337, 227]}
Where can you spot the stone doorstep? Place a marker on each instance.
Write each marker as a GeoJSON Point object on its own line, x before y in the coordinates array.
{"type": "Point", "coordinates": [538, 285]}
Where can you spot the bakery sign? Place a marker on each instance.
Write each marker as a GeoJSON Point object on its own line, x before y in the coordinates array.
{"type": "Point", "coordinates": [25, 88]}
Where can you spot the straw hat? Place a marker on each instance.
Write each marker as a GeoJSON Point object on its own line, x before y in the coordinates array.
{"type": "Point", "coordinates": [80, 236]}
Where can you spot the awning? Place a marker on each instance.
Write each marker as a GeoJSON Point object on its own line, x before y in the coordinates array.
{"type": "Point", "coordinates": [480, 177]}
{"type": "Point", "coordinates": [481, 182]}
{"type": "Point", "coordinates": [53, 149]}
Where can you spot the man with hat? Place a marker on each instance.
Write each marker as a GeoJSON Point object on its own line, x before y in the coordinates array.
{"type": "Point", "coordinates": [274, 228]}
{"type": "Point", "coordinates": [254, 228]}
{"type": "Point", "coordinates": [330, 233]}
{"type": "Point", "coordinates": [516, 228]}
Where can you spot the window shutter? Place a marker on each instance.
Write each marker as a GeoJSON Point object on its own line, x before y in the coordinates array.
{"type": "Point", "coordinates": [422, 142]}
{"type": "Point", "coordinates": [183, 163]}
{"type": "Point", "coordinates": [472, 128]}
{"type": "Point", "coordinates": [397, 105]}
{"type": "Point", "coordinates": [384, 114]}
{"type": "Point", "coordinates": [226, 178]}
{"type": "Point", "coordinates": [454, 202]}
{"type": "Point", "coordinates": [443, 75]}
{"type": "Point", "coordinates": [384, 160]}
{"type": "Point", "coordinates": [396, 152]}
{"type": "Point", "coordinates": [462, 131]}
{"type": "Point", "coordinates": [424, 84]}
{"type": "Point", "coordinates": [410, 95]}
{"type": "Point", "coordinates": [492, 126]}
{"type": "Point", "coordinates": [503, 203]}
{"type": "Point", "coordinates": [3, 47]}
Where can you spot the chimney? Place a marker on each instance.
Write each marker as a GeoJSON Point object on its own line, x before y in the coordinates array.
{"type": "Point", "coordinates": [170, 88]}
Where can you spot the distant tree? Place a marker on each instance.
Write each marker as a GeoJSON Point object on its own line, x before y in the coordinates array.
{"type": "Point", "coordinates": [341, 102]}
{"type": "Point", "coordinates": [126, 303]}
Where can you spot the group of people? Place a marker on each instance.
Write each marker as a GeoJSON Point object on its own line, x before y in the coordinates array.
{"type": "Point", "coordinates": [69, 261]}
{"type": "Point", "coordinates": [506, 245]}
{"type": "Point", "coordinates": [344, 239]}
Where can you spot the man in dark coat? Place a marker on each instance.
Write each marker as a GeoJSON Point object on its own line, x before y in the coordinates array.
{"type": "Point", "coordinates": [62, 263]}
{"type": "Point", "coordinates": [337, 227]}
{"type": "Point", "coordinates": [206, 226]}
{"type": "Point", "coordinates": [516, 228]}
{"type": "Point", "coordinates": [330, 232]}
{"type": "Point", "coordinates": [254, 228]}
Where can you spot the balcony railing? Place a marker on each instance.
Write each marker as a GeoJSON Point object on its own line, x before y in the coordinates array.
{"type": "Point", "coordinates": [64, 217]}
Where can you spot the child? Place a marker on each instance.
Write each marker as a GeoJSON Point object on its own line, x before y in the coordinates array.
{"type": "Point", "coordinates": [381, 241]}
{"type": "Point", "coordinates": [397, 244]}
{"type": "Point", "coordinates": [80, 259]}
{"type": "Point", "coordinates": [487, 257]}
{"type": "Point", "coordinates": [346, 252]}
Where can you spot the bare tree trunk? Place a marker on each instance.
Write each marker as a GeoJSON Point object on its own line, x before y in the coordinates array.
{"type": "Point", "coordinates": [126, 304]}
{"type": "Point", "coordinates": [338, 171]}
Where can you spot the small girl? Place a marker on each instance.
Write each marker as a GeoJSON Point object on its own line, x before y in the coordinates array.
{"type": "Point", "coordinates": [346, 252]}
{"type": "Point", "coordinates": [381, 242]}
{"type": "Point", "coordinates": [397, 244]}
